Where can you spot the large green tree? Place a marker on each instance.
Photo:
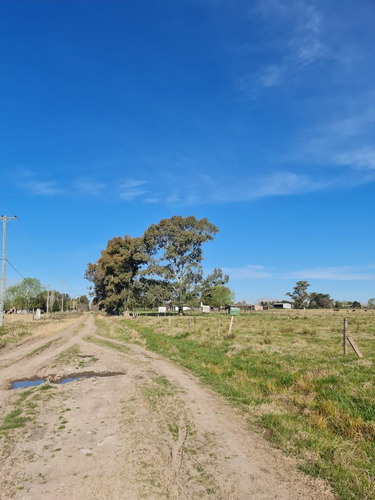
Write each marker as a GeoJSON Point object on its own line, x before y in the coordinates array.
{"type": "Point", "coordinates": [175, 247]}
{"type": "Point", "coordinates": [24, 295]}
{"type": "Point", "coordinates": [221, 296]}
{"type": "Point", "coordinates": [213, 281]}
{"type": "Point", "coordinates": [299, 294]}
{"type": "Point", "coordinates": [115, 273]}
{"type": "Point", "coordinates": [320, 301]}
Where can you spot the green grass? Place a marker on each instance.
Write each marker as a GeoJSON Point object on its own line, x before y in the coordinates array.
{"type": "Point", "coordinates": [69, 356]}
{"type": "Point", "coordinates": [24, 411]}
{"type": "Point", "coordinates": [287, 373]}
{"type": "Point", "coordinates": [106, 343]}
{"type": "Point", "coordinates": [14, 332]}
{"type": "Point", "coordinates": [41, 348]}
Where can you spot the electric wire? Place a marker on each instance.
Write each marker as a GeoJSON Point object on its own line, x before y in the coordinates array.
{"type": "Point", "coordinates": [12, 266]}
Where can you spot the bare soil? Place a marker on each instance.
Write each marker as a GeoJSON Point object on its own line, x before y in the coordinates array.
{"type": "Point", "coordinates": [138, 427]}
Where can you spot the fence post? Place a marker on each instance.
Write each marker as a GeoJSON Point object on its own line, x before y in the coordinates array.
{"type": "Point", "coordinates": [344, 335]}
{"type": "Point", "coordinates": [231, 324]}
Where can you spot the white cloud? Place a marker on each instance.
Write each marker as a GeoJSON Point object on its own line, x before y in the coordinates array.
{"type": "Point", "coordinates": [206, 189]}
{"type": "Point", "coordinates": [333, 273]}
{"type": "Point", "coordinates": [361, 159]}
{"type": "Point", "coordinates": [43, 188]}
{"type": "Point", "coordinates": [89, 186]}
{"type": "Point", "coordinates": [249, 271]}
{"type": "Point", "coordinates": [132, 189]}
{"type": "Point", "coordinates": [295, 35]}
{"type": "Point", "coordinates": [339, 273]}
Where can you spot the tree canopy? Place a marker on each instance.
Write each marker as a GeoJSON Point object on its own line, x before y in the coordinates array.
{"type": "Point", "coordinates": [24, 295]}
{"type": "Point", "coordinates": [115, 273]}
{"type": "Point", "coordinates": [213, 281]}
{"type": "Point", "coordinates": [175, 248]}
{"type": "Point", "coordinates": [164, 265]}
{"type": "Point", "coordinates": [299, 294]}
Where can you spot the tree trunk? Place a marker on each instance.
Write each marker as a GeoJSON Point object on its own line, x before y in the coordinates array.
{"type": "Point", "coordinates": [180, 310]}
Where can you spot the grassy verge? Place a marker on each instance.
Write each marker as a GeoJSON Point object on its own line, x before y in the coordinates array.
{"type": "Point", "coordinates": [24, 327]}
{"type": "Point", "coordinates": [107, 343]}
{"type": "Point", "coordinates": [286, 371]}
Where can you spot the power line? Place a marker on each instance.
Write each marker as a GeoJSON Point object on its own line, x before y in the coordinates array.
{"type": "Point", "coordinates": [11, 265]}
{"type": "Point", "coordinates": [29, 245]}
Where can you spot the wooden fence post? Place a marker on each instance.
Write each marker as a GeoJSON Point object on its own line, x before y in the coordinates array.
{"type": "Point", "coordinates": [344, 335]}
{"type": "Point", "coordinates": [231, 325]}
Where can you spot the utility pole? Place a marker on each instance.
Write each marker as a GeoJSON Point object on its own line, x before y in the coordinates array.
{"type": "Point", "coordinates": [62, 294]}
{"type": "Point", "coordinates": [73, 300]}
{"type": "Point", "coordinates": [47, 312]}
{"type": "Point", "coordinates": [5, 219]}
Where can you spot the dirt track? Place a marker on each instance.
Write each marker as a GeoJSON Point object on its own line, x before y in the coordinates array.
{"type": "Point", "coordinates": [139, 428]}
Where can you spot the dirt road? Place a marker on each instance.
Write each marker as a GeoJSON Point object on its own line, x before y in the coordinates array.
{"type": "Point", "coordinates": [136, 427]}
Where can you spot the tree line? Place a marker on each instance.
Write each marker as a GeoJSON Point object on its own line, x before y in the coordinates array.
{"type": "Point", "coordinates": [314, 300]}
{"type": "Point", "coordinates": [164, 266]}
{"type": "Point", "coordinates": [31, 294]}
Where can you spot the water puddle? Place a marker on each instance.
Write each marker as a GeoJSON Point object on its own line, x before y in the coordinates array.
{"type": "Point", "coordinates": [26, 383]}
{"type": "Point", "coordinates": [22, 384]}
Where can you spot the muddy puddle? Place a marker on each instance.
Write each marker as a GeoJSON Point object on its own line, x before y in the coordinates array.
{"type": "Point", "coordinates": [22, 384]}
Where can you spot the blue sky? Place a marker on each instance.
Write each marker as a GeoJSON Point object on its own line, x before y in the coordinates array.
{"type": "Point", "coordinates": [257, 115]}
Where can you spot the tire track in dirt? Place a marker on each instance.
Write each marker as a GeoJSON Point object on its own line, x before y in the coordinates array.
{"type": "Point", "coordinates": [151, 432]}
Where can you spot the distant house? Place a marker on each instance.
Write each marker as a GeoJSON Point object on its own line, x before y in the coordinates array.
{"type": "Point", "coordinates": [256, 308]}
{"type": "Point", "coordinates": [282, 305]}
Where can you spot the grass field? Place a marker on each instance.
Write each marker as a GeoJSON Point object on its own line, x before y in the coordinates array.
{"type": "Point", "coordinates": [286, 371]}
{"type": "Point", "coordinates": [18, 327]}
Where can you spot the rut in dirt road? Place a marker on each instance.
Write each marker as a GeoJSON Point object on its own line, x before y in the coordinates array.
{"type": "Point", "coordinates": [149, 430]}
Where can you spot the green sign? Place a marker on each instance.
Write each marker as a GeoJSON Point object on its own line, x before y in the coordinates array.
{"type": "Point", "coordinates": [234, 311]}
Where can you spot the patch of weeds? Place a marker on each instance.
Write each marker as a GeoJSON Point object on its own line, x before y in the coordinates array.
{"type": "Point", "coordinates": [155, 393]}
{"type": "Point", "coordinates": [69, 356]}
{"type": "Point", "coordinates": [162, 381]}
{"type": "Point", "coordinates": [13, 420]}
{"type": "Point", "coordinates": [182, 335]}
{"type": "Point", "coordinates": [40, 349]}
{"type": "Point", "coordinates": [46, 387]}
{"type": "Point", "coordinates": [173, 429]}
{"type": "Point", "coordinates": [108, 343]}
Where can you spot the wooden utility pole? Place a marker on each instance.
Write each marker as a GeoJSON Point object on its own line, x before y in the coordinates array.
{"type": "Point", "coordinates": [5, 219]}
{"type": "Point", "coordinates": [47, 311]}
{"type": "Point", "coordinates": [62, 294]}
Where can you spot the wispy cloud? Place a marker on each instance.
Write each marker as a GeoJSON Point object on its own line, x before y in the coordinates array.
{"type": "Point", "coordinates": [249, 271]}
{"type": "Point", "coordinates": [339, 273]}
{"type": "Point", "coordinates": [361, 159]}
{"type": "Point", "coordinates": [295, 35]}
{"type": "Point", "coordinates": [42, 188]}
{"type": "Point", "coordinates": [89, 186]}
{"type": "Point", "coordinates": [218, 188]}
{"type": "Point", "coordinates": [132, 189]}
{"type": "Point", "coordinates": [345, 142]}
{"type": "Point", "coordinates": [333, 273]}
